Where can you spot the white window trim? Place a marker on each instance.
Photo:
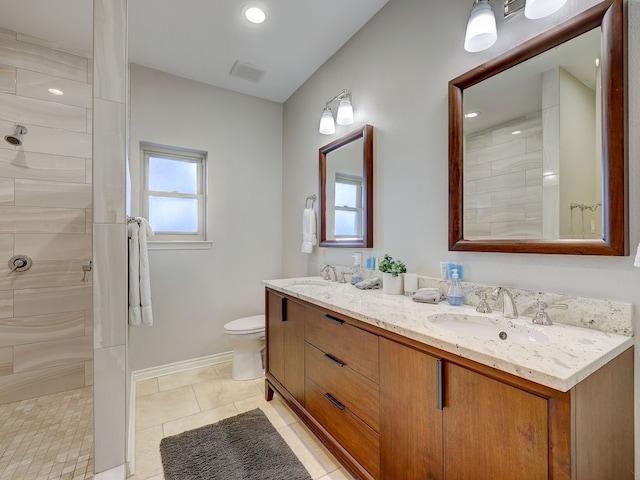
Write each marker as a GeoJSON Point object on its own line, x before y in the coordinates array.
{"type": "Point", "coordinates": [177, 240]}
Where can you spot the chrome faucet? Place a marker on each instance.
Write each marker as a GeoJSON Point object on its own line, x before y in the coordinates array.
{"type": "Point", "coordinates": [325, 271]}
{"type": "Point", "coordinates": [509, 309]}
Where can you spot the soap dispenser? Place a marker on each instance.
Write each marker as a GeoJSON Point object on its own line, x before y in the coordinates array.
{"type": "Point", "coordinates": [455, 292]}
{"type": "Point", "coordinates": [357, 269]}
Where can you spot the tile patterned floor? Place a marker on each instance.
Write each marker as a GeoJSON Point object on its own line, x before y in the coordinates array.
{"type": "Point", "coordinates": [48, 437]}
{"type": "Point", "coordinates": [172, 404]}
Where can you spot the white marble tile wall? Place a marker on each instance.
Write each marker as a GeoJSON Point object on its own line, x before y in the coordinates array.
{"type": "Point", "coordinates": [45, 197]}
{"type": "Point", "coordinates": [109, 73]}
{"type": "Point", "coordinates": [503, 181]}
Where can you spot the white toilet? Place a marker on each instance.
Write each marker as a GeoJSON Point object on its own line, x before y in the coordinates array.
{"type": "Point", "coordinates": [246, 337]}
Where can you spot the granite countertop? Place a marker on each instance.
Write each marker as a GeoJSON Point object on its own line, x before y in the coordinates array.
{"type": "Point", "coordinates": [565, 355]}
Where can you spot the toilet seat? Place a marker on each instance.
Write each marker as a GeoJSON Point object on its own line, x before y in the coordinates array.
{"type": "Point", "coordinates": [245, 325]}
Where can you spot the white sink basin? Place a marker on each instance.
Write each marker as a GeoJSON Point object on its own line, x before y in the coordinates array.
{"type": "Point", "coordinates": [311, 283]}
{"type": "Point", "coordinates": [487, 328]}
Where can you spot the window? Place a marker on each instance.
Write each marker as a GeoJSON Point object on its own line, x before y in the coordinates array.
{"type": "Point", "coordinates": [174, 197]}
{"type": "Point", "coordinates": [348, 206]}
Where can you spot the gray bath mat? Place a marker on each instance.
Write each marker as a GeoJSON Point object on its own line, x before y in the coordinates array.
{"type": "Point", "coordinates": [244, 447]}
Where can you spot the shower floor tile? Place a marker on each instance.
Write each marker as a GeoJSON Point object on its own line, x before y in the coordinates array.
{"type": "Point", "coordinates": [48, 437]}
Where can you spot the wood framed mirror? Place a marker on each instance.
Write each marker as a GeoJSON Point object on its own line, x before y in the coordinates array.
{"type": "Point", "coordinates": [516, 176]}
{"type": "Point", "coordinates": [346, 190]}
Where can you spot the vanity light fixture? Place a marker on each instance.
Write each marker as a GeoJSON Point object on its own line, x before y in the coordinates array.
{"type": "Point", "coordinates": [343, 117]}
{"type": "Point", "coordinates": [535, 9]}
{"type": "Point", "coordinates": [481, 28]}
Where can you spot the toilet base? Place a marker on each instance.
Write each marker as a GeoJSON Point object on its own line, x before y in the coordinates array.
{"type": "Point", "coordinates": [247, 365]}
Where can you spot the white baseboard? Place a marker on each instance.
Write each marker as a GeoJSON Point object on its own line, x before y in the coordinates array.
{"type": "Point", "coordinates": [159, 371]}
{"type": "Point", "coordinates": [117, 473]}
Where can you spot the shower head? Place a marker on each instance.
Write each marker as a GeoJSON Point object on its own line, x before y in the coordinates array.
{"type": "Point", "coordinates": [16, 139]}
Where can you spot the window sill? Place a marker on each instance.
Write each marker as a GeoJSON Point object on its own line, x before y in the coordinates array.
{"type": "Point", "coordinates": [179, 245]}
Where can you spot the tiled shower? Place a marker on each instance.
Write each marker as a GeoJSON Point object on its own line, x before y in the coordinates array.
{"type": "Point", "coordinates": [46, 312]}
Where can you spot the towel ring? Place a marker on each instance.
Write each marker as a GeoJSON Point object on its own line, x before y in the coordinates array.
{"type": "Point", "coordinates": [313, 200]}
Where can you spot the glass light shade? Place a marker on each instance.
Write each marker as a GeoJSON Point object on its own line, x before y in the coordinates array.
{"type": "Point", "coordinates": [535, 9]}
{"type": "Point", "coordinates": [327, 127]}
{"type": "Point", "coordinates": [481, 28]}
{"type": "Point", "coordinates": [345, 112]}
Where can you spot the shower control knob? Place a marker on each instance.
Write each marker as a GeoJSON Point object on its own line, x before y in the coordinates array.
{"type": "Point", "coordinates": [19, 263]}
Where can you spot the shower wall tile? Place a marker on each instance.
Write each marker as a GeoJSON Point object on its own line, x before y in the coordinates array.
{"type": "Point", "coordinates": [524, 229]}
{"type": "Point", "coordinates": [38, 301]}
{"type": "Point", "coordinates": [517, 196]}
{"type": "Point", "coordinates": [88, 373]}
{"type": "Point", "coordinates": [88, 322]}
{"type": "Point", "coordinates": [41, 328]}
{"type": "Point", "coordinates": [41, 166]}
{"type": "Point", "coordinates": [89, 221]}
{"type": "Point", "coordinates": [109, 405]}
{"type": "Point", "coordinates": [33, 111]}
{"type": "Point", "coordinates": [41, 59]}
{"type": "Point", "coordinates": [41, 220]}
{"type": "Point", "coordinates": [6, 246]}
{"type": "Point", "coordinates": [35, 356]}
{"type": "Point", "coordinates": [52, 141]}
{"type": "Point", "coordinates": [37, 193]}
{"type": "Point", "coordinates": [108, 162]}
{"type": "Point", "coordinates": [500, 151]}
{"type": "Point", "coordinates": [534, 177]}
{"type": "Point", "coordinates": [88, 171]}
{"type": "Point", "coordinates": [7, 33]}
{"type": "Point", "coordinates": [6, 304]}
{"type": "Point", "coordinates": [517, 163]}
{"type": "Point", "coordinates": [19, 386]}
{"type": "Point", "coordinates": [36, 85]}
{"type": "Point", "coordinates": [6, 361]}
{"type": "Point", "coordinates": [54, 247]}
{"type": "Point", "coordinates": [45, 274]}
{"type": "Point", "coordinates": [7, 79]}
{"type": "Point", "coordinates": [53, 45]}
{"type": "Point", "coordinates": [502, 182]}
{"type": "Point", "coordinates": [7, 191]}
{"type": "Point", "coordinates": [110, 295]}
{"type": "Point", "coordinates": [110, 53]}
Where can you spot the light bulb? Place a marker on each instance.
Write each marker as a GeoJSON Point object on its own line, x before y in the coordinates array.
{"type": "Point", "coordinates": [481, 28]}
{"type": "Point", "coordinates": [327, 127]}
{"type": "Point", "coordinates": [255, 15]}
{"type": "Point", "coordinates": [345, 112]}
{"type": "Point", "coordinates": [535, 9]}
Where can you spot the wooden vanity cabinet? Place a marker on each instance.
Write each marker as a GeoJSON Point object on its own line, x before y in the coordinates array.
{"type": "Point", "coordinates": [392, 408]}
{"type": "Point", "coordinates": [285, 344]}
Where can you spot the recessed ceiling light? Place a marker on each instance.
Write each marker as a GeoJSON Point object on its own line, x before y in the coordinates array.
{"type": "Point", "coordinates": [55, 91]}
{"type": "Point", "coordinates": [255, 15]}
{"type": "Point", "coordinates": [471, 115]}
{"type": "Point", "coordinates": [516, 132]}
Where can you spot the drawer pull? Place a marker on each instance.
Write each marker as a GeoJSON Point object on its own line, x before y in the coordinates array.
{"type": "Point", "coordinates": [334, 319]}
{"type": "Point", "coordinates": [334, 359]}
{"type": "Point", "coordinates": [334, 401]}
{"type": "Point", "coordinates": [283, 310]}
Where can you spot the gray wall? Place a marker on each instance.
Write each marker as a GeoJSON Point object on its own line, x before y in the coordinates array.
{"type": "Point", "coordinates": [398, 67]}
{"type": "Point", "coordinates": [194, 292]}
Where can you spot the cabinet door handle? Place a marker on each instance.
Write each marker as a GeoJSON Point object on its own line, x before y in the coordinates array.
{"type": "Point", "coordinates": [283, 308]}
{"type": "Point", "coordinates": [439, 384]}
{"type": "Point", "coordinates": [334, 319]}
{"type": "Point", "coordinates": [334, 401]}
{"type": "Point", "coordinates": [334, 359]}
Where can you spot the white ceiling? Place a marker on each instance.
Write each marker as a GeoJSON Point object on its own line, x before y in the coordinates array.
{"type": "Point", "coordinates": [201, 39]}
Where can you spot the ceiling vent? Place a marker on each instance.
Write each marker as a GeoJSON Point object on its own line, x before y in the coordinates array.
{"type": "Point", "coordinates": [246, 71]}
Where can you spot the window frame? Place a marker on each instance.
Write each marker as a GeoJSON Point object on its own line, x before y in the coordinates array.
{"type": "Point", "coordinates": [197, 157]}
{"type": "Point", "coordinates": [348, 179]}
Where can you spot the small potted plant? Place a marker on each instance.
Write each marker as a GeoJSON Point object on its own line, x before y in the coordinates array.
{"type": "Point", "coordinates": [391, 274]}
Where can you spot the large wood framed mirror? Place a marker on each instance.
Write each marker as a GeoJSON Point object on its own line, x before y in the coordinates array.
{"type": "Point", "coordinates": [346, 190]}
{"type": "Point", "coordinates": [541, 167]}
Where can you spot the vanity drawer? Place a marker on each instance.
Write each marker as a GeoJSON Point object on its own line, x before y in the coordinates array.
{"type": "Point", "coordinates": [362, 442]}
{"type": "Point", "coordinates": [350, 345]}
{"type": "Point", "coordinates": [357, 393]}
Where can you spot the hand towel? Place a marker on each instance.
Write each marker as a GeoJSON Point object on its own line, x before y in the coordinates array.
{"type": "Point", "coordinates": [427, 295]}
{"type": "Point", "coordinates": [369, 284]}
{"type": "Point", "coordinates": [139, 284]}
{"type": "Point", "coordinates": [309, 239]}
{"type": "Point", "coordinates": [636, 262]}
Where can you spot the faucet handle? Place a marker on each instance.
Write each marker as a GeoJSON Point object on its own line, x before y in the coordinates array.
{"type": "Point", "coordinates": [541, 317]}
{"type": "Point", "coordinates": [483, 306]}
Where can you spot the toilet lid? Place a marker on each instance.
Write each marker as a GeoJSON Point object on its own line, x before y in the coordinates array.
{"type": "Point", "coordinates": [253, 324]}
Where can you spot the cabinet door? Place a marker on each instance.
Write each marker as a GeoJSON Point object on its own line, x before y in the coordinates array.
{"type": "Point", "coordinates": [410, 421]}
{"type": "Point", "coordinates": [275, 336]}
{"type": "Point", "coordinates": [294, 349]}
{"type": "Point", "coordinates": [491, 429]}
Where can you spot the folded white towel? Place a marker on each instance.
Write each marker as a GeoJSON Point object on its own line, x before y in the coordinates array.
{"type": "Point", "coordinates": [636, 262]}
{"type": "Point", "coordinates": [139, 284]}
{"type": "Point", "coordinates": [309, 239]}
